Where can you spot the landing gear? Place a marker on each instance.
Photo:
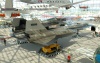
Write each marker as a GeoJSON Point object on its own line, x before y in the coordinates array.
{"type": "Point", "coordinates": [77, 34]}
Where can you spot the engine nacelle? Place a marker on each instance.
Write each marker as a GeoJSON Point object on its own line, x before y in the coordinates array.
{"type": "Point", "coordinates": [68, 7]}
{"type": "Point", "coordinates": [28, 1]}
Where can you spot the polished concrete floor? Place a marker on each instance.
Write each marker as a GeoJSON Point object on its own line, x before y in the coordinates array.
{"type": "Point", "coordinates": [81, 50]}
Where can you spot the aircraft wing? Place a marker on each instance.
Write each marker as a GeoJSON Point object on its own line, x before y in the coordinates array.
{"type": "Point", "coordinates": [79, 2]}
{"type": "Point", "coordinates": [26, 1]}
{"type": "Point", "coordinates": [50, 36]}
{"type": "Point", "coordinates": [43, 41]}
{"type": "Point", "coordinates": [68, 3]}
{"type": "Point", "coordinates": [74, 3]}
{"type": "Point", "coordinates": [78, 26]}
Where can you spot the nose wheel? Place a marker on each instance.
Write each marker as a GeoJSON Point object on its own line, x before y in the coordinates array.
{"type": "Point", "coordinates": [77, 34]}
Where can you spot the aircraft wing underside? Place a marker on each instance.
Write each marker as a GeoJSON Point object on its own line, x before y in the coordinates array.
{"type": "Point", "coordinates": [43, 41]}
{"type": "Point", "coordinates": [48, 36]}
{"type": "Point", "coordinates": [71, 4]}
{"type": "Point", "coordinates": [79, 2]}
{"type": "Point", "coordinates": [61, 3]}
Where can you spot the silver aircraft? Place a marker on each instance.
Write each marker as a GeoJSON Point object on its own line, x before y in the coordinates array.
{"type": "Point", "coordinates": [58, 3]}
{"type": "Point", "coordinates": [35, 32]}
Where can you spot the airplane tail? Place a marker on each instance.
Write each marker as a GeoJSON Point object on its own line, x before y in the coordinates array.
{"type": "Point", "coordinates": [9, 4]}
{"type": "Point", "coordinates": [34, 25]}
{"type": "Point", "coordinates": [28, 25]}
{"type": "Point", "coordinates": [0, 6]}
{"type": "Point", "coordinates": [9, 8]}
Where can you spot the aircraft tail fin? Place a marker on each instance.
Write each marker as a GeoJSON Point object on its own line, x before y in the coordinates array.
{"type": "Point", "coordinates": [9, 4]}
{"type": "Point", "coordinates": [34, 25]}
{"type": "Point", "coordinates": [9, 8]}
{"type": "Point", "coordinates": [0, 6]}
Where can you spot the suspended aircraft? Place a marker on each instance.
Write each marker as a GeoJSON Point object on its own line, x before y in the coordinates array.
{"type": "Point", "coordinates": [10, 12]}
{"type": "Point", "coordinates": [58, 3]}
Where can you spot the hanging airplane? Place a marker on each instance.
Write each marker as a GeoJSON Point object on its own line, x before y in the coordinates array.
{"type": "Point", "coordinates": [58, 3]}
{"type": "Point", "coordinates": [9, 11]}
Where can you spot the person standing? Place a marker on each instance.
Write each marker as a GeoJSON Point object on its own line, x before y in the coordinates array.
{"type": "Point", "coordinates": [4, 41]}
{"type": "Point", "coordinates": [68, 58]}
{"type": "Point", "coordinates": [94, 33]}
{"type": "Point", "coordinates": [13, 29]}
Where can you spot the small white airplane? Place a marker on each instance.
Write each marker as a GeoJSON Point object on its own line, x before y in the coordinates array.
{"type": "Point", "coordinates": [58, 3]}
